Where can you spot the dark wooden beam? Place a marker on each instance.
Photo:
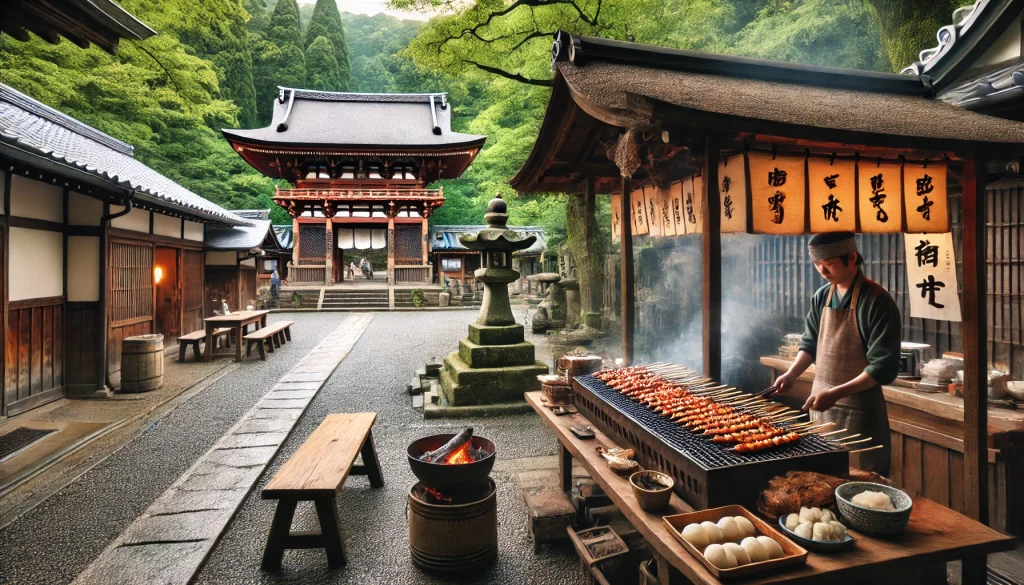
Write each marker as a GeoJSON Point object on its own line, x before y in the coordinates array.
{"type": "Point", "coordinates": [712, 260]}
{"type": "Point", "coordinates": [628, 296]}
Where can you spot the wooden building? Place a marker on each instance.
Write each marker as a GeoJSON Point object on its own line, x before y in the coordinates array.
{"type": "Point", "coordinates": [453, 261]}
{"type": "Point", "coordinates": [238, 259]}
{"type": "Point", "coordinates": [360, 164]}
{"type": "Point", "coordinates": [632, 120]}
{"type": "Point", "coordinates": [96, 247]}
{"type": "Point", "coordinates": [83, 23]}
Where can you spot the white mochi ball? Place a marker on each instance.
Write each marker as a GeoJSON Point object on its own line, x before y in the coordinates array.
{"type": "Point", "coordinates": [742, 558]}
{"type": "Point", "coordinates": [792, 521]}
{"type": "Point", "coordinates": [719, 557]}
{"type": "Point", "coordinates": [695, 535]}
{"type": "Point", "coordinates": [827, 516]}
{"type": "Point", "coordinates": [821, 531]}
{"type": "Point", "coordinates": [839, 528]}
{"type": "Point", "coordinates": [805, 530]}
{"type": "Point", "coordinates": [755, 550]}
{"type": "Point", "coordinates": [730, 530]}
{"type": "Point", "coordinates": [806, 515]}
{"type": "Point", "coordinates": [773, 548]}
{"type": "Point", "coordinates": [713, 531]}
{"type": "Point", "coordinates": [746, 526]}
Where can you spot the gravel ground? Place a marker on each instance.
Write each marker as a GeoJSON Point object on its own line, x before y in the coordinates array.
{"type": "Point", "coordinates": [373, 378]}
{"type": "Point", "coordinates": [56, 540]}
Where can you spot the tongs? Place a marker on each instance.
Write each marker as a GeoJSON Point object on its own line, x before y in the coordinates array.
{"type": "Point", "coordinates": [767, 392]}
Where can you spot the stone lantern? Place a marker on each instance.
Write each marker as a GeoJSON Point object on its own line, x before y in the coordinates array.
{"type": "Point", "coordinates": [494, 363]}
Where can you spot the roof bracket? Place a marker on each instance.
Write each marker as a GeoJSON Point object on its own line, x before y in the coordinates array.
{"type": "Point", "coordinates": [291, 102]}
{"type": "Point", "coordinates": [433, 116]}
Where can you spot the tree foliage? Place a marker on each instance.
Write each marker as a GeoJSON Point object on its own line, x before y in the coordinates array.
{"type": "Point", "coordinates": [326, 22]}
{"type": "Point", "coordinates": [322, 67]}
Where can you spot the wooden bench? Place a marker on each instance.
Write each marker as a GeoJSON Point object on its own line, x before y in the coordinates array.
{"type": "Point", "coordinates": [197, 337]}
{"type": "Point", "coordinates": [316, 473]}
{"type": "Point", "coordinates": [273, 335]}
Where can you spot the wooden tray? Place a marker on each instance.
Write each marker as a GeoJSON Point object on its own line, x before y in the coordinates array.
{"type": "Point", "coordinates": [588, 537]}
{"type": "Point", "coordinates": [794, 554]}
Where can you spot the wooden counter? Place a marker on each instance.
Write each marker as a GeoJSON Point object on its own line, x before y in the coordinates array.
{"type": "Point", "coordinates": [927, 431]}
{"type": "Point", "coordinates": [935, 535]}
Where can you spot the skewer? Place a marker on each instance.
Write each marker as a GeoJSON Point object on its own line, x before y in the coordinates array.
{"type": "Point", "coordinates": [823, 425]}
{"type": "Point", "coordinates": [847, 444]}
{"type": "Point", "coordinates": [813, 428]}
{"type": "Point", "coordinates": [833, 432]}
{"type": "Point", "coordinates": [841, 439]}
{"type": "Point", "coordinates": [871, 448]}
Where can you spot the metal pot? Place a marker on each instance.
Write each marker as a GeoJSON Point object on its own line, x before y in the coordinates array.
{"type": "Point", "coordinates": [450, 478]}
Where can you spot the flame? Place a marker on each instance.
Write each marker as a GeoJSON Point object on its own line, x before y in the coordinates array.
{"type": "Point", "coordinates": [460, 455]}
{"type": "Point", "coordinates": [436, 494]}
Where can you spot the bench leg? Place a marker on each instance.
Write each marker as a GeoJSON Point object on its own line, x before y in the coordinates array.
{"type": "Point", "coordinates": [275, 338]}
{"type": "Point", "coordinates": [263, 352]}
{"type": "Point", "coordinates": [270, 344]}
{"type": "Point", "coordinates": [371, 463]}
{"type": "Point", "coordinates": [288, 333]}
{"type": "Point", "coordinates": [330, 531]}
{"type": "Point", "coordinates": [182, 346]}
{"type": "Point", "coordinates": [195, 351]}
{"type": "Point", "coordinates": [248, 349]}
{"type": "Point", "coordinates": [280, 530]}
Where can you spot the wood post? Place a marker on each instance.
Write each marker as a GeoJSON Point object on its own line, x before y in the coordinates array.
{"type": "Point", "coordinates": [295, 241]}
{"type": "Point", "coordinates": [425, 239]}
{"type": "Point", "coordinates": [391, 248]}
{"type": "Point", "coordinates": [712, 260]}
{"type": "Point", "coordinates": [329, 260]}
{"type": "Point", "coordinates": [628, 296]}
{"type": "Point", "coordinates": [975, 335]}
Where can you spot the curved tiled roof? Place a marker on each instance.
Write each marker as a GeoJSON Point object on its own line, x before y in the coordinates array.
{"type": "Point", "coordinates": [445, 238]}
{"type": "Point", "coordinates": [31, 127]}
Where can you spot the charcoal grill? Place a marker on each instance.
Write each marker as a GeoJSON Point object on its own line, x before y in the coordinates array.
{"type": "Point", "coordinates": [708, 475]}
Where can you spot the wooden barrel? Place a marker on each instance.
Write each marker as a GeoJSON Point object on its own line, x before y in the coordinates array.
{"type": "Point", "coordinates": [453, 538]}
{"type": "Point", "coordinates": [142, 363]}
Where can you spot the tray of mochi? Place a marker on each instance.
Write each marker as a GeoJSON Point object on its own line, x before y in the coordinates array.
{"type": "Point", "coordinates": [732, 542]}
{"type": "Point", "coordinates": [816, 529]}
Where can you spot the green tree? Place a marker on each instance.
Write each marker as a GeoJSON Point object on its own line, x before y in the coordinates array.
{"type": "Point", "coordinates": [322, 67]}
{"type": "Point", "coordinates": [284, 24]}
{"type": "Point", "coordinates": [908, 26]}
{"type": "Point", "coordinates": [326, 22]}
{"type": "Point", "coordinates": [266, 60]}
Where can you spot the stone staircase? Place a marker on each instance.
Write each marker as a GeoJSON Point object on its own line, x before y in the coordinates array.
{"type": "Point", "coordinates": [356, 300]}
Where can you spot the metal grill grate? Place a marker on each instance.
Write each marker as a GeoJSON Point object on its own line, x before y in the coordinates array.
{"type": "Point", "coordinates": [19, 438]}
{"type": "Point", "coordinates": [694, 446]}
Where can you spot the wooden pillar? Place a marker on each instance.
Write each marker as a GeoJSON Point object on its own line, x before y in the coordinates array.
{"type": "Point", "coordinates": [391, 248]}
{"type": "Point", "coordinates": [425, 239]}
{"type": "Point", "coordinates": [712, 260]}
{"type": "Point", "coordinates": [295, 241]}
{"type": "Point", "coordinates": [329, 260]}
{"type": "Point", "coordinates": [628, 296]}
{"type": "Point", "coordinates": [975, 333]}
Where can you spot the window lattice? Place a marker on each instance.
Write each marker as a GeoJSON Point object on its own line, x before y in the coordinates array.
{"type": "Point", "coordinates": [313, 242]}
{"type": "Point", "coordinates": [408, 245]}
{"type": "Point", "coordinates": [131, 282]}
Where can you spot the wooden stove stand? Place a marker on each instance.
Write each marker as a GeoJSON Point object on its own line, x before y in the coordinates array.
{"type": "Point", "coordinates": [935, 535]}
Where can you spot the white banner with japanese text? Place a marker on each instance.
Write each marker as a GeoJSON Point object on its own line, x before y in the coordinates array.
{"type": "Point", "coordinates": [931, 276]}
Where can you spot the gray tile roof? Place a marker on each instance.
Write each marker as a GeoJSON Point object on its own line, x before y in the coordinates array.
{"type": "Point", "coordinates": [29, 127]}
{"type": "Point", "coordinates": [238, 238]}
{"type": "Point", "coordinates": [284, 236]}
{"type": "Point", "coordinates": [304, 117]}
{"type": "Point", "coordinates": [445, 238]}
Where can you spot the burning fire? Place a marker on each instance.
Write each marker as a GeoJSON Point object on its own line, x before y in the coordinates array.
{"type": "Point", "coordinates": [463, 454]}
{"type": "Point", "coordinates": [436, 495]}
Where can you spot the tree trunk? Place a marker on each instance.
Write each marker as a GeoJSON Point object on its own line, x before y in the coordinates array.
{"type": "Point", "coordinates": [587, 249]}
{"type": "Point", "coordinates": [909, 26]}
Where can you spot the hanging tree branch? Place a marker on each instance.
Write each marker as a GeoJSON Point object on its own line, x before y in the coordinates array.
{"type": "Point", "coordinates": [508, 75]}
{"type": "Point", "coordinates": [166, 72]}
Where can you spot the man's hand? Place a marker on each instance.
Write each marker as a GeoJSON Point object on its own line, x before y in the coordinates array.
{"type": "Point", "coordinates": [821, 401]}
{"type": "Point", "coordinates": [784, 383]}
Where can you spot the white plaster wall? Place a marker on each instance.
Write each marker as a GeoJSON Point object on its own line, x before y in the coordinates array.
{"type": "Point", "coordinates": [137, 220]}
{"type": "Point", "coordinates": [83, 268]}
{"type": "Point", "coordinates": [84, 210]}
{"type": "Point", "coordinates": [36, 264]}
{"type": "Point", "coordinates": [221, 258]}
{"type": "Point", "coordinates": [166, 226]}
{"type": "Point", "coordinates": [249, 262]}
{"type": "Point", "coordinates": [194, 231]}
{"type": "Point", "coordinates": [36, 199]}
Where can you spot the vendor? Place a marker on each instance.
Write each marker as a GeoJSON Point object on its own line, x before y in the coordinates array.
{"type": "Point", "coordinates": [852, 334]}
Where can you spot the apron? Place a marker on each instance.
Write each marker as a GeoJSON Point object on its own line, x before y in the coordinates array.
{"type": "Point", "coordinates": [840, 358]}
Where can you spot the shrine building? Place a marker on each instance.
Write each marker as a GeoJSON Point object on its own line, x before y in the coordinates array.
{"type": "Point", "coordinates": [360, 165]}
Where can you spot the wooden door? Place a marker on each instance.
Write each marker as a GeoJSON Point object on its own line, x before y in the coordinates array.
{"type": "Point", "coordinates": [131, 296]}
{"type": "Point", "coordinates": [192, 282]}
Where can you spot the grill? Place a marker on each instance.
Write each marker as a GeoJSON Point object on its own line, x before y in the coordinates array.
{"type": "Point", "coordinates": [707, 474]}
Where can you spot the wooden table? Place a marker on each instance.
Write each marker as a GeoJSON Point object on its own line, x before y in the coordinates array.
{"type": "Point", "coordinates": [239, 321]}
{"type": "Point", "coordinates": [935, 535]}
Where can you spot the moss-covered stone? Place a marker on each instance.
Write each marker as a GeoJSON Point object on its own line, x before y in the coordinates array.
{"type": "Point", "coordinates": [496, 335]}
{"type": "Point", "coordinates": [463, 385]}
{"type": "Point", "coordinates": [496, 356]}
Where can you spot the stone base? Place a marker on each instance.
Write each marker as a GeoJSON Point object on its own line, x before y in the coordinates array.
{"type": "Point", "coordinates": [496, 356]}
{"type": "Point", "coordinates": [434, 410]}
{"type": "Point", "coordinates": [463, 385]}
{"type": "Point", "coordinates": [496, 334]}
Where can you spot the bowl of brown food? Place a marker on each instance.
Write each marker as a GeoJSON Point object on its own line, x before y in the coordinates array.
{"type": "Point", "coordinates": [652, 489]}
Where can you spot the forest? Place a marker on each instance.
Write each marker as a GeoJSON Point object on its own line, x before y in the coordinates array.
{"type": "Point", "coordinates": [217, 64]}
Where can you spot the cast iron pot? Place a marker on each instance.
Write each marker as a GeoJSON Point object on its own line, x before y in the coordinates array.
{"type": "Point", "coordinates": [450, 478]}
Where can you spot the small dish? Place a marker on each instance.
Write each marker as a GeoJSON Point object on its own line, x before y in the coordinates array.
{"type": "Point", "coordinates": [651, 499]}
{"type": "Point", "coordinates": [815, 545]}
{"type": "Point", "coordinates": [870, 521]}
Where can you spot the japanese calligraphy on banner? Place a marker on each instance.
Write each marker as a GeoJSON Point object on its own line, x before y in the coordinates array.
{"type": "Point", "coordinates": [651, 209]}
{"type": "Point", "coordinates": [924, 195]}
{"type": "Point", "coordinates": [638, 213]}
{"type": "Point", "coordinates": [616, 217]}
{"type": "Point", "coordinates": [931, 276]}
{"type": "Point", "coordinates": [879, 196]}
{"type": "Point", "coordinates": [733, 194]}
{"type": "Point", "coordinates": [676, 203]}
{"type": "Point", "coordinates": [832, 195]}
{"type": "Point", "coordinates": [693, 208]}
{"type": "Point", "coordinates": [778, 198]}
{"type": "Point", "coordinates": [668, 227]}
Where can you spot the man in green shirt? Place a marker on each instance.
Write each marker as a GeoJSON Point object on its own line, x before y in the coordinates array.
{"type": "Point", "coordinates": [852, 334]}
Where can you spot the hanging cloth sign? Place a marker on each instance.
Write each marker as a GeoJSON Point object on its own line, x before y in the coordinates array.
{"type": "Point", "coordinates": [676, 196]}
{"type": "Point", "coordinates": [693, 208]}
{"type": "Point", "coordinates": [378, 238]}
{"type": "Point", "coordinates": [362, 239]}
{"type": "Point", "coordinates": [832, 195]}
{"type": "Point", "coordinates": [668, 226]}
{"type": "Point", "coordinates": [651, 210]}
{"type": "Point", "coordinates": [924, 195]}
{"type": "Point", "coordinates": [879, 196]}
{"type": "Point", "coordinates": [345, 238]}
{"type": "Point", "coordinates": [931, 276]}
{"type": "Point", "coordinates": [778, 195]}
{"type": "Point", "coordinates": [616, 217]}
{"type": "Point", "coordinates": [733, 191]}
{"type": "Point", "coordinates": [639, 213]}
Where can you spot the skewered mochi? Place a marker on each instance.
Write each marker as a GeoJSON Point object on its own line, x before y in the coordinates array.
{"type": "Point", "coordinates": [755, 550]}
{"type": "Point", "coordinates": [742, 558]}
{"type": "Point", "coordinates": [695, 535]}
{"type": "Point", "coordinates": [792, 521]}
{"type": "Point", "coordinates": [773, 548]}
{"type": "Point", "coordinates": [719, 557]}
{"type": "Point", "coordinates": [746, 526]}
{"type": "Point", "coordinates": [873, 500]}
{"type": "Point", "coordinates": [730, 530]}
{"type": "Point", "coordinates": [713, 532]}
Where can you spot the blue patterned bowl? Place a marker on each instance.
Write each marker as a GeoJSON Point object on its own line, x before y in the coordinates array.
{"type": "Point", "coordinates": [871, 521]}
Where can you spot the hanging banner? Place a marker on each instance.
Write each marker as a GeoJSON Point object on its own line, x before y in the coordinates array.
{"type": "Point", "coordinates": [924, 195]}
{"type": "Point", "coordinates": [693, 208]}
{"type": "Point", "coordinates": [668, 226]}
{"type": "Point", "coordinates": [778, 195]}
{"type": "Point", "coordinates": [931, 276]}
{"type": "Point", "coordinates": [616, 217]}
{"type": "Point", "coordinates": [638, 213]}
{"type": "Point", "coordinates": [879, 196]}
{"type": "Point", "coordinates": [676, 196]}
{"type": "Point", "coordinates": [832, 195]}
{"type": "Point", "coordinates": [651, 210]}
{"type": "Point", "coordinates": [732, 175]}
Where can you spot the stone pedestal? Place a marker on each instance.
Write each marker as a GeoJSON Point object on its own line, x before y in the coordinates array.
{"type": "Point", "coordinates": [572, 302]}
